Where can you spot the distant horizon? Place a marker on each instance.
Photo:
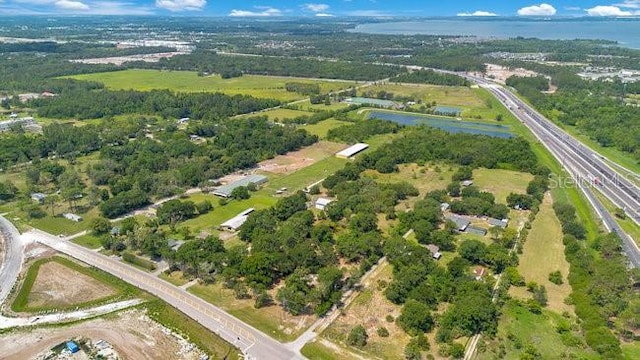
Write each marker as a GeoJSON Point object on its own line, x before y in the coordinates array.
{"type": "Point", "coordinates": [326, 8]}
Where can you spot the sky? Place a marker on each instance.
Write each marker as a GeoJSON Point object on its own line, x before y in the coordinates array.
{"type": "Point", "coordinates": [324, 8]}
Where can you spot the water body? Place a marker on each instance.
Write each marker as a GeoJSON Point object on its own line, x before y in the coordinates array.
{"type": "Point", "coordinates": [625, 31]}
{"type": "Point", "coordinates": [452, 126]}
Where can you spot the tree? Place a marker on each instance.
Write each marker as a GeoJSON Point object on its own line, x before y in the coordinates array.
{"type": "Point", "coordinates": [357, 337]}
{"type": "Point", "coordinates": [415, 318]}
{"type": "Point", "coordinates": [7, 191]}
{"type": "Point", "coordinates": [456, 350]}
{"type": "Point", "coordinates": [383, 332]}
{"type": "Point", "coordinates": [556, 277]}
{"type": "Point", "coordinates": [100, 226]}
{"type": "Point", "coordinates": [240, 193]}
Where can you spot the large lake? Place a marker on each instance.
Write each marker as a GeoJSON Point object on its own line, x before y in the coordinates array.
{"type": "Point", "coordinates": [452, 126]}
{"type": "Point", "coordinates": [624, 31]}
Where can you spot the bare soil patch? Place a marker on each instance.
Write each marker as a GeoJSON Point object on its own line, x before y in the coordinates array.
{"type": "Point", "coordinates": [58, 285]}
{"type": "Point", "coordinates": [132, 334]}
{"type": "Point", "coordinates": [296, 160]}
{"type": "Point", "coordinates": [501, 73]}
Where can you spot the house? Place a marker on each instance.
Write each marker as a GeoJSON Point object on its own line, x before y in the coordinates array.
{"type": "Point", "coordinates": [183, 120]}
{"type": "Point", "coordinates": [72, 217]}
{"type": "Point", "coordinates": [38, 197]}
{"type": "Point", "coordinates": [479, 272]}
{"type": "Point", "coordinates": [467, 183]}
{"type": "Point", "coordinates": [498, 222]}
{"type": "Point", "coordinates": [476, 230]}
{"type": "Point", "coordinates": [226, 190]}
{"type": "Point", "coordinates": [72, 347]}
{"type": "Point", "coordinates": [435, 251]}
{"type": "Point", "coordinates": [236, 222]}
{"type": "Point", "coordinates": [461, 222]}
{"type": "Point", "coordinates": [322, 203]}
{"type": "Point", "coordinates": [352, 151]}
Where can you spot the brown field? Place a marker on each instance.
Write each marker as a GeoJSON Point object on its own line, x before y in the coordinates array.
{"type": "Point", "coordinates": [132, 334]}
{"type": "Point", "coordinates": [543, 253]}
{"type": "Point", "coordinates": [370, 309]}
{"type": "Point", "coordinates": [58, 285]}
{"type": "Point", "coordinates": [296, 160]}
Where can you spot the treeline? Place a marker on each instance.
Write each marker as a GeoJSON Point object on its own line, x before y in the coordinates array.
{"type": "Point", "coordinates": [602, 287]}
{"type": "Point", "coordinates": [97, 104]}
{"type": "Point", "coordinates": [430, 77]}
{"type": "Point", "coordinates": [212, 63]}
{"type": "Point", "coordinates": [303, 88]}
{"type": "Point", "coordinates": [362, 130]}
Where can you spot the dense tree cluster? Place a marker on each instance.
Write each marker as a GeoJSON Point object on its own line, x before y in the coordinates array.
{"type": "Point", "coordinates": [431, 77]}
{"type": "Point", "coordinates": [363, 130]}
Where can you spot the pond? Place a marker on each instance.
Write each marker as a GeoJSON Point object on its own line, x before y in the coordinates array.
{"type": "Point", "coordinates": [452, 126]}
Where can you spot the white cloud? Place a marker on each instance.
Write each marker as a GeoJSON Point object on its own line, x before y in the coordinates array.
{"type": "Point", "coordinates": [317, 8]}
{"type": "Point", "coordinates": [181, 5]}
{"type": "Point", "coordinates": [537, 10]}
{"type": "Point", "coordinates": [263, 12]}
{"type": "Point", "coordinates": [478, 13]}
{"type": "Point", "coordinates": [608, 11]}
{"type": "Point", "coordinates": [71, 5]}
{"type": "Point", "coordinates": [323, 15]}
{"type": "Point", "coordinates": [631, 4]}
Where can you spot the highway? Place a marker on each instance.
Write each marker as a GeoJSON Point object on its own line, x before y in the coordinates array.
{"type": "Point", "coordinates": [585, 167]}
{"type": "Point", "coordinates": [252, 342]}
{"type": "Point", "coordinates": [13, 256]}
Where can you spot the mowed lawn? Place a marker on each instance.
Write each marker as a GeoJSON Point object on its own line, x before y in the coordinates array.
{"type": "Point", "coordinates": [501, 182]}
{"type": "Point", "coordinates": [543, 254]}
{"type": "Point", "coordinates": [272, 87]}
{"type": "Point", "coordinates": [461, 96]}
{"type": "Point", "coordinates": [519, 327]}
{"type": "Point", "coordinates": [322, 128]}
{"type": "Point", "coordinates": [278, 115]}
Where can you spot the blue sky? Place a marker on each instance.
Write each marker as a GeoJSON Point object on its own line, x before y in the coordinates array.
{"type": "Point", "coordinates": [319, 8]}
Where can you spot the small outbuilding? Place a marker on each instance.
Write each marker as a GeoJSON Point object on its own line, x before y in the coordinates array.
{"type": "Point", "coordinates": [72, 347]}
{"type": "Point", "coordinates": [502, 223]}
{"type": "Point", "coordinates": [38, 197]}
{"type": "Point", "coordinates": [236, 222]}
{"type": "Point", "coordinates": [461, 222]}
{"type": "Point", "coordinates": [322, 203]}
{"type": "Point", "coordinates": [476, 230]}
{"type": "Point", "coordinates": [435, 251]}
{"type": "Point", "coordinates": [72, 217]}
{"type": "Point", "coordinates": [467, 183]}
{"type": "Point", "coordinates": [352, 150]}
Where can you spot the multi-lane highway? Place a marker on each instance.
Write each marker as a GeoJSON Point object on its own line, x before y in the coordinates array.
{"type": "Point", "coordinates": [253, 343]}
{"type": "Point", "coordinates": [586, 167]}
{"type": "Point", "coordinates": [13, 255]}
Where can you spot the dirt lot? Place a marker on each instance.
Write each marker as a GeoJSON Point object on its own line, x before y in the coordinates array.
{"type": "Point", "coordinates": [296, 160]}
{"type": "Point", "coordinates": [132, 334]}
{"type": "Point", "coordinates": [501, 73]}
{"type": "Point", "coordinates": [58, 285]}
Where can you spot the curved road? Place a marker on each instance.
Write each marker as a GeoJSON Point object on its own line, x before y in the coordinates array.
{"type": "Point", "coordinates": [13, 256]}
{"type": "Point", "coordinates": [253, 343]}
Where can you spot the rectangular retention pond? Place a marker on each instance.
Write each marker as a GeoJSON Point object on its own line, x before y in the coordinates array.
{"type": "Point", "coordinates": [452, 126]}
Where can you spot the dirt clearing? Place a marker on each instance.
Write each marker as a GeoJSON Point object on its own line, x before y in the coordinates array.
{"type": "Point", "coordinates": [132, 334]}
{"type": "Point", "coordinates": [57, 285]}
{"type": "Point", "coordinates": [296, 160]}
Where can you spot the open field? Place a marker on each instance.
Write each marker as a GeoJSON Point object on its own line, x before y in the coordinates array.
{"type": "Point", "coordinates": [221, 214]}
{"type": "Point", "coordinates": [370, 309]}
{"type": "Point", "coordinates": [322, 128]}
{"type": "Point", "coordinates": [424, 178]}
{"type": "Point", "coordinates": [631, 351]}
{"type": "Point", "coordinates": [315, 350]}
{"type": "Point", "coordinates": [174, 278]}
{"type": "Point", "coordinates": [307, 105]}
{"type": "Point", "coordinates": [442, 95]}
{"type": "Point", "coordinates": [305, 176]}
{"type": "Point", "coordinates": [543, 253]}
{"type": "Point", "coordinates": [59, 286]}
{"type": "Point", "coordinates": [272, 320]}
{"type": "Point", "coordinates": [628, 225]}
{"type": "Point", "coordinates": [501, 182]}
{"type": "Point", "coordinates": [131, 333]}
{"type": "Point", "coordinates": [58, 283]}
{"type": "Point", "coordinates": [518, 328]}
{"type": "Point", "coordinates": [281, 114]}
{"type": "Point", "coordinates": [272, 87]}
{"type": "Point", "coordinates": [88, 241]}
{"type": "Point", "coordinates": [296, 160]}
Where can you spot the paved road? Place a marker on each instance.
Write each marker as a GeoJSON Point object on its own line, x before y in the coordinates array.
{"type": "Point", "coordinates": [253, 343]}
{"type": "Point", "coordinates": [13, 256]}
{"type": "Point", "coordinates": [585, 167]}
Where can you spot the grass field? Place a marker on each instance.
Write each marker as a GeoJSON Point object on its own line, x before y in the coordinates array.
{"type": "Point", "coordinates": [88, 241]}
{"type": "Point", "coordinates": [322, 128]}
{"type": "Point", "coordinates": [424, 178]}
{"type": "Point", "coordinates": [281, 114]}
{"type": "Point", "coordinates": [174, 278]}
{"type": "Point", "coordinates": [316, 351]}
{"type": "Point", "coordinates": [543, 253]}
{"type": "Point", "coordinates": [501, 182]}
{"type": "Point", "coordinates": [518, 328]}
{"type": "Point", "coordinates": [271, 320]}
{"type": "Point", "coordinates": [294, 161]}
{"type": "Point", "coordinates": [221, 214]}
{"type": "Point", "coordinates": [303, 177]}
{"type": "Point", "coordinates": [307, 105]}
{"type": "Point", "coordinates": [630, 351]}
{"type": "Point", "coordinates": [442, 95]}
{"type": "Point", "coordinates": [188, 81]}
{"type": "Point", "coordinates": [34, 290]}
{"type": "Point", "coordinates": [628, 225]}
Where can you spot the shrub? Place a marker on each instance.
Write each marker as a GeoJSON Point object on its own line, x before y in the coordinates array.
{"type": "Point", "coordinates": [357, 337]}
{"type": "Point", "coordinates": [556, 277]}
{"type": "Point", "coordinates": [383, 332]}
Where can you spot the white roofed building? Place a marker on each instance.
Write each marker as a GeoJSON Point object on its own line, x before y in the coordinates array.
{"type": "Point", "coordinates": [352, 150]}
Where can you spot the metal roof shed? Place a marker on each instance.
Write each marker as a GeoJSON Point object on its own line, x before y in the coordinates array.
{"type": "Point", "coordinates": [352, 150]}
